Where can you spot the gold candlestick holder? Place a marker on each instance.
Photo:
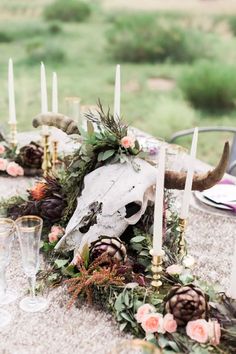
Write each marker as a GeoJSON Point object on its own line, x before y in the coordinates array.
{"type": "Point", "coordinates": [156, 268]}
{"type": "Point", "coordinates": [46, 165]}
{"type": "Point", "coordinates": [182, 247]}
{"type": "Point", "coordinates": [13, 135]}
{"type": "Point", "coordinates": [54, 154]}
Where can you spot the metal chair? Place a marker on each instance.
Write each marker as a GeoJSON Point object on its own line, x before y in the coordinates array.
{"type": "Point", "coordinates": [232, 160]}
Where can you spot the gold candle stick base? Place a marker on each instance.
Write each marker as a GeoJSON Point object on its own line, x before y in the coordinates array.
{"type": "Point", "coordinates": [54, 154]}
{"type": "Point", "coordinates": [13, 135]}
{"type": "Point", "coordinates": [182, 247]}
{"type": "Point", "coordinates": [46, 165]}
{"type": "Point", "coordinates": [157, 261]}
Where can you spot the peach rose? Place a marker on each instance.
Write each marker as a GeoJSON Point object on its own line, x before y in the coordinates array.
{"type": "Point", "coordinates": [128, 142]}
{"type": "Point", "coordinates": [13, 169]}
{"type": "Point", "coordinates": [3, 164]}
{"type": "Point", "coordinates": [52, 237]}
{"type": "Point", "coordinates": [214, 332]}
{"type": "Point", "coordinates": [174, 269]}
{"type": "Point", "coordinates": [152, 323]}
{"type": "Point", "coordinates": [57, 229]}
{"type": "Point", "coordinates": [169, 323]}
{"type": "Point", "coordinates": [2, 149]}
{"type": "Point", "coordinates": [144, 310]}
{"type": "Point", "coordinates": [198, 330]}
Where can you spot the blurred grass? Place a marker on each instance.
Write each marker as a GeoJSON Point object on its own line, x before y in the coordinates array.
{"type": "Point", "coordinates": [88, 72]}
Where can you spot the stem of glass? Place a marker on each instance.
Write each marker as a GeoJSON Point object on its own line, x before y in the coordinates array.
{"type": "Point", "coordinates": [32, 281]}
{"type": "Point", "coordinates": [3, 282]}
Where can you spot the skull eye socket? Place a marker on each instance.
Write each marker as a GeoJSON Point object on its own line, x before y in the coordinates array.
{"type": "Point", "coordinates": [132, 209]}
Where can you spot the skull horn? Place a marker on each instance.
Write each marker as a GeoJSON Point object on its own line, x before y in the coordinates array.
{"type": "Point", "coordinates": [176, 180]}
{"type": "Point", "coordinates": [57, 120]}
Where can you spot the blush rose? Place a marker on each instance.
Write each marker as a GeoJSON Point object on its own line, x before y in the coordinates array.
{"type": "Point", "coordinates": [198, 330]}
{"type": "Point", "coordinates": [2, 149]}
{"type": "Point", "coordinates": [127, 142]}
{"type": "Point", "coordinates": [144, 310]}
{"type": "Point", "coordinates": [3, 164]}
{"type": "Point", "coordinates": [152, 323]}
{"type": "Point", "coordinates": [174, 269]}
{"type": "Point", "coordinates": [13, 169]}
{"type": "Point", "coordinates": [169, 323]}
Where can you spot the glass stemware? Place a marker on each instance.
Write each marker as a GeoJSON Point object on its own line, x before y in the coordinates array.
{"type": "Point", "coordinates": [7, 231]}
{"type": "Point", "coordinates": [29, 229]}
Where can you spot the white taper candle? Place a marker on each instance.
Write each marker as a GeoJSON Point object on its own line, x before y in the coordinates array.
{"type": "Point", "coordinates": [189, 178]}
{"type": "Point", "coordinates": [11, 93]}
{"type": "Point", "coordinates": [159, 201]}
{"type": "Point", "coordinates": [117, 93]}
{"type": "Point", "coordinates": [54, 93]}
{"type": "Point", "coordinates": [44, 98]}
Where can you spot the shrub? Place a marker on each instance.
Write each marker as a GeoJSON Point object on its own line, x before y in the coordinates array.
{"type": "Point", "coordinates": [210, 86]}
{"type": "Point", "coordinates": [232, 24]}
{"type": "Point", "coordinates": [38, 51]}
{"type": "Point", "coordinates": [147, 38]}
{"type": "Point", "coordinates": [55, 27]}
{"type": "Point", "coordinates": [5, 37]}
{"type": "Point", "coordinates": [67, 11]}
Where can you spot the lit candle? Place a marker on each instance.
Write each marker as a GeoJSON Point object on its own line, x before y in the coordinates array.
{"type": "Point", "coordinates": [159, 201]}
{"type": "Point", "coordinates": [44, 99]}
{"type": "Point", "coordinates": [189, 178]}
{"type": "Point", "coordinates": [117, 93]}
{"type": "Point", "coordinates": [232, 287]}
{"type": "Point", "coordinates": [11, 93]}
{"type": "Point", "coordinates": [54, 93]}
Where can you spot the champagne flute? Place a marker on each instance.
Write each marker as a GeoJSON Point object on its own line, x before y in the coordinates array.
{"type": "Point", "coordinates": [29, 229]}
{"type": "Point", "coordinates": [7, 231]}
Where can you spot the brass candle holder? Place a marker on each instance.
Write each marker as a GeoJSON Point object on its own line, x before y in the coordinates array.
{"type": "Point", "coordinates": [54, 154]}
{"type": "Point", "coordinates": [156, 268]}
{"type": "Point", "coordinates": [13, 135]}
{"type": "Point", "coordinates": [46, 165]}
{"type": "Point", "coordinates": [182, 247]}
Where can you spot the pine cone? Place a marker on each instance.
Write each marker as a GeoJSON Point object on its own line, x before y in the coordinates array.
{"type": "Point", "coordinates": [112, 246]}
{"type": "Point", "coordinates": [31, 156]}
{"type": "Point", "coordinates": [51, 209]}
{"type": "Point", "coordinates": [186, 303]}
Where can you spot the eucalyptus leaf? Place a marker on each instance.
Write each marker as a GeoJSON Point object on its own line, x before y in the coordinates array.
{"type": "Point", "coordinates": [107, 154]}
{"type": "Point", "coordinates": [122, 326]}
{"type": "Point", "coordinates": [126, 316]}
{"type": "Point", "coordinates": [137, 239]}
{"type": "Point", "coordinates": [61, 262]}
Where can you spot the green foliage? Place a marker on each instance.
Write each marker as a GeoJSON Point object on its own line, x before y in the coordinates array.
{"type": "Point", "coordinates": [232, 24]}
{"type": "Point", "coordinates": [5, 37]}
{"type": "Point", "coordinates": [210, 85]}
{"type": "Point", "coordinates": [55, 27]}
{"type": "Point", "coordinates": [147, 38]}
{"type": "Point", "coordinates": [69, 11]}
{"type": "Point", "coordinates": [38, 51]}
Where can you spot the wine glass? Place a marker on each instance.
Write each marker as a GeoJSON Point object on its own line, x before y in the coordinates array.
{"type": "Point", "coordinates": [29, 229]}
{"type": "Point", "coordinates": [7, 231]}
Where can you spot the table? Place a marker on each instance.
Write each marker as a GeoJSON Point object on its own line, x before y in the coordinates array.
{"type": "Point", "coordinates": [210, 236]}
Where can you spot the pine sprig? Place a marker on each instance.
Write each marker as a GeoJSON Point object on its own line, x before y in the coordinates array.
{"type": "Point", "coordinates": [107, 122]}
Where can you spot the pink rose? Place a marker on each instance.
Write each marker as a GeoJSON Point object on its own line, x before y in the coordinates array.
{"type": "Point", "coordinates": [174, 269]}
{"type": "Point", "coordinates": [198, 330]}
{"type": "Point", "coordinates": [128, 142]}
{"type": "Point", "coordinates": [20, 171]}
{"type": "Point", "coordinates": [3, 164]}
{"type": "Point", "coordinates": [214, 332]}
{"type": "Point", "coordinates": [2, 149]}
{"type": "Point", "coordinates": [57, 229]}
{"type": "Point", "coordinates": [52, 237]}
{"type": "Point", "coordinates": [152, 323]}
{"type": "Point", "coordinates": [169, 323]}
{"type": "Point", "coordinates": [144, 310]}
{"type": "Point", "coordinates": [13, 169]}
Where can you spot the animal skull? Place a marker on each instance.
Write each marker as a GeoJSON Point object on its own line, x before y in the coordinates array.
{"type": "Point", "coordinates": [104, 206]}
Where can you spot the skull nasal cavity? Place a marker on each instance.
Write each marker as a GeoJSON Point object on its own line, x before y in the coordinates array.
{"type": "Point", "coordinates": [132, 209]}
